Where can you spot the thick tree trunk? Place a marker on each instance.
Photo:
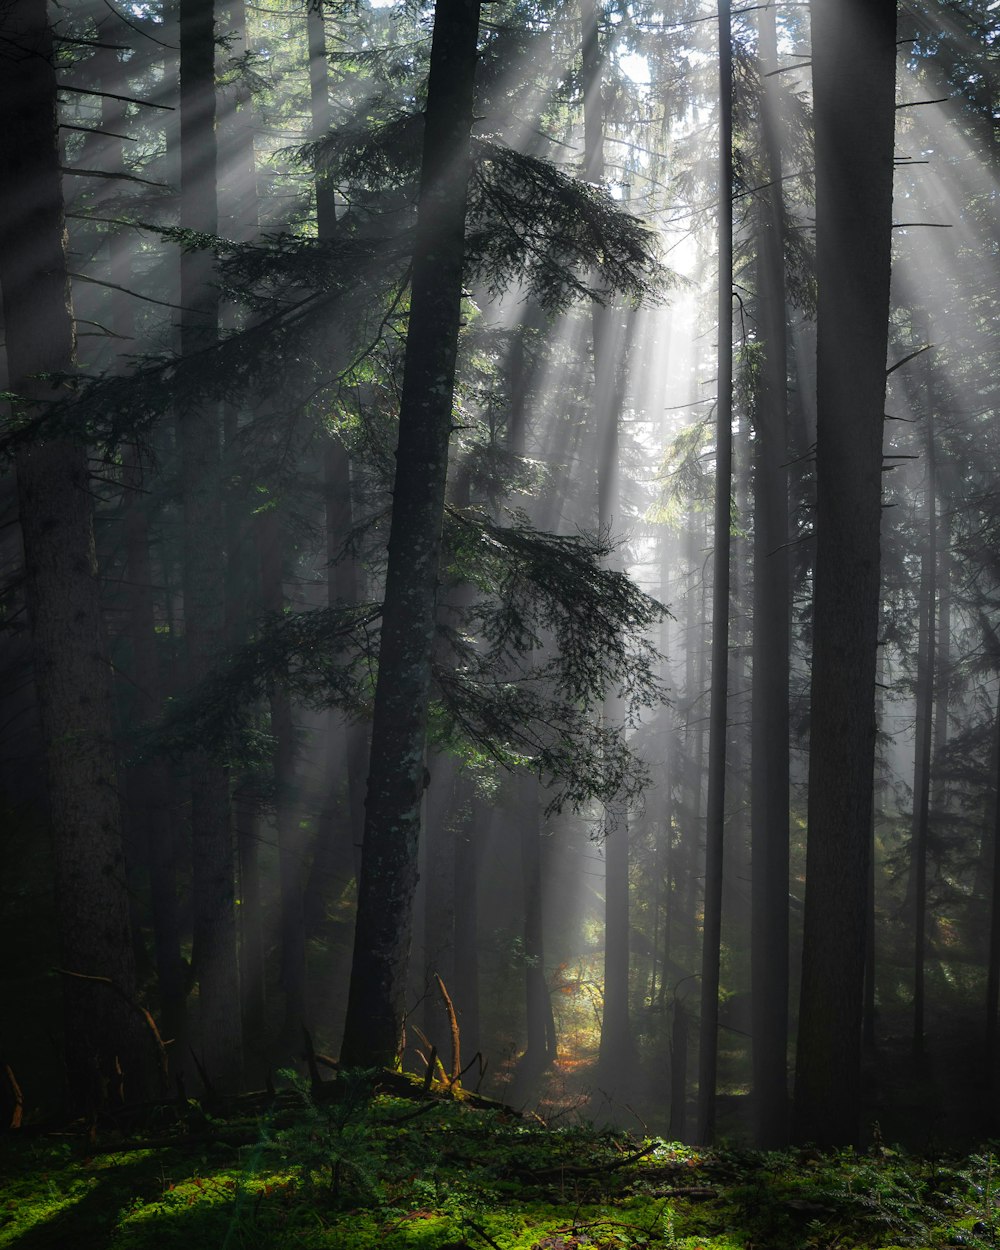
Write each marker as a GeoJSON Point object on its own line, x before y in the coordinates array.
{"type": "Point", "coordinates": [771, 630]}
{"type": "Point", "coordinates": [214, 892]}
{"type": "Point", "coordinates": [708, 1038]}
{"type": "Point", "coordinates": [108, 1050]}
{"type": "Point", "coordinates": [396, 772]}
{"type": "Point", "coordinates": [854, 50]}
{"type": "Point", "coordinates": [151, 849]}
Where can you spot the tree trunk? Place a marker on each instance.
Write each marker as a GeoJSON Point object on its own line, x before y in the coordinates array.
{"type": "Point", "coordinates": [470, 834]}
{"type": "Point", "coordinates": [708, 1039]}
{"type": "Point", "coordinates": [854, 49]}
{"type": "Point", "coordinates": [539, 1051]}
{"type": "Point", "coordinates": [926, 655]}
{"type": "Point", "coordinates": [291, 851]}
{"type": "Point", "coordinates": [108, 1051]}
{"type": "Point", "coordinates": [993, 964]}
{"type": "Point", "coordinates": [321, 115]}
{"type": "Point", "coordinates": [340, 831]}
{"type": "Point", "coordinates": [616, 1050]}
{"type": "Point", "coordinates": [396, 772]}
{"type": "Point", "coordinates": [214, 893]}
{"type": "Point", "coordinates": [771, 630]}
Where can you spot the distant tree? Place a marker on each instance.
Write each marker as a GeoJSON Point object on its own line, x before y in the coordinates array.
{"type": "Point", "coordinates": [854, 57]}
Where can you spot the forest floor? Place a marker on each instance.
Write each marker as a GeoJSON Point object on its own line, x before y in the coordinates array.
{"type": "Point", "coordinates": [371, 1170]}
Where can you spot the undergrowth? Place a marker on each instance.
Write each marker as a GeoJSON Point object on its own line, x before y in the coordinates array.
{"type": "Point", "coordinates": [368, 1170]}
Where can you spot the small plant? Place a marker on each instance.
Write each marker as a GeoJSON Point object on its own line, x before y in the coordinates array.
{"type": "Point", "coordinates": [978, 1203]}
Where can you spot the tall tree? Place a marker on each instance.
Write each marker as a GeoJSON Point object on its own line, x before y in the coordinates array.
{"type": "Point", "coordinates": [396, 769]}
{"type": "Point", "coordinates": [708, 1040]}
{"type": "Point", "coordinates": [854, 57]}
{"type": "Point", "coordinates": [924, 737]}
{"type": "Point", "coordinates": [608, 347]}
{"type": "Point", "coordinates": [214, 887]}
{"type": "Point", "coordinates": [771, 629]}
{"type": "Point", "coordinates": [106, 1044]}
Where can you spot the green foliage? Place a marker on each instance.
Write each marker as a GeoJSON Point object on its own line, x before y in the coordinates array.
{"type": "Point", "coordinates": [563, 239]}
{"type": "Point", "coordinates": [358, 1170]}
{"type": "Point", "coordinates": [518, 674]}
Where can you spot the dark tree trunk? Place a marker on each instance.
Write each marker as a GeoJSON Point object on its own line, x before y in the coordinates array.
{"type": "Point", "coordinates": [438, 897]}
{"type": "Point", "coordinates": [396, 772]}
{"type": "Point", "coordinates": [993, 964]}
{"type": "Point", "coordinates": [539, 1051]}
{"type": "Point", "coordinates": [615, 1060]}
{"type": "Point", "coordinates": [677, 1128]}
{"type": "Point", "coordinates": [214, 893]}
{"type": "Point", "coordinates": [708, 1038]}
{"type": "Point", "coordinates": [341, 825]}
{"type": "Point", "coordinates": [771, 630]}
{"type": "Point", "coordinates": [321, 114]}
{"type": "Point", "coordinates": [854, 50]}
{"type": "Point", "coordinates": [239, 208]}
{"type": "Point", "coordinates": [291, 852]}
{"type": "Point", "coordinates": [470, 834]}
{"type": "Point", "coordinates": [926, 655]}
{"type": "Point", "coordinates": [104, 1031]}
{"type": "Point", "coordinates": [152, 812]}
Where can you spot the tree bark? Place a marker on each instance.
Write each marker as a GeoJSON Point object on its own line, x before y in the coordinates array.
{"type": "Point", "coordinates": [107, 1050]}
{"type": "Point", "coordinates": [926, 655]}
{"type": "Point", "coordinates": [396, 771]}
{"type": "Point", "coordinates": [214, 888]}
{"type": "Point", "coordinates": [708, 1038]}
{"type": "Point", "coordinates": [771, 632]}
{"type": "Point", "coordinates": [854, 49]}
{"type": "Point", "coordinates": [616, 1057]}
{"type": "Point", "coordinates": [291, 852]}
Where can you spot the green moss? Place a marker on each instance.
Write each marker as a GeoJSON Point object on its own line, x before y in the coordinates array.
{"type": "Point", "coordinates": [370, 1172]}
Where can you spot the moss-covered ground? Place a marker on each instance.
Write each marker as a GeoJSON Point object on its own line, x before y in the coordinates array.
{"type": "Point", "coordinates": [387, 1171]}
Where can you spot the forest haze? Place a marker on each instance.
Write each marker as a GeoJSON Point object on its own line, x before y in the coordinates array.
{"type": "Point", "coordinates": [499, 532]}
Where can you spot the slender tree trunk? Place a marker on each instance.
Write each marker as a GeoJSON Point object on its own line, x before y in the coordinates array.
{"type": "Point", "coordinates": [107, 1048]}
{"type": "Point", "coordinates": [396, 772]}
{"type": "Point", "coordinates": [321, 114]}
{"type": "Point", "coordinates": [291, 851]}
{"type": "Point", "coordinates": [340, 833]}
{"type": "Point", "coordinates": [771, 631]}
{"type": "Point", "coordinates": [993, 965]}
{"type": "Point", "coordinates": [708, 1040]}
{"type": "Point", "coordinates": [616, 1057]}
{"type": "Point", "coordinates": [439, 898]}
{"type": "Point", "coordinates": [473, 821]}
{"type": "Point", "coordinates": [926, 654]}
{"type": "Point", "coordinates": [539, 1051]}
{"type": "Point", "coordinates": [854, 49]}
{"type": "Point", "coordinates": [214, 887]}
{"type": "Point", "coordinates": [871, 945]}
{"type": "Point", "coordinates": [239, 209]}
{"type": "Point", "coordinates": [677, 1128]}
